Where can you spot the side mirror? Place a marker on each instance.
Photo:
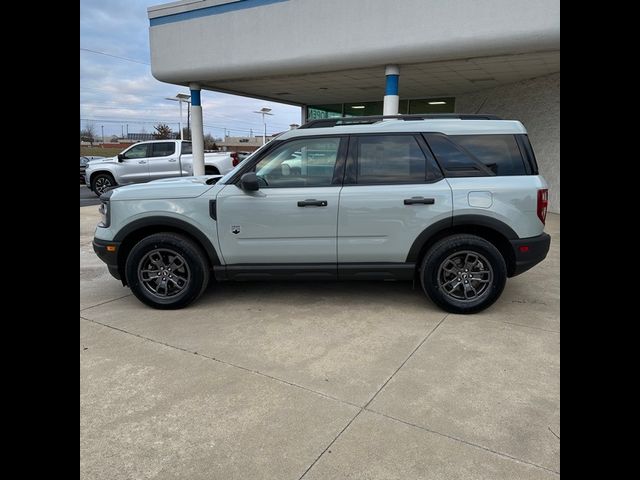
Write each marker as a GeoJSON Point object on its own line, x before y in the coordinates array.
{"type": "Point", "coordinates": [249, 182]}
{"type": "Point", "coordinates": [120, 157]}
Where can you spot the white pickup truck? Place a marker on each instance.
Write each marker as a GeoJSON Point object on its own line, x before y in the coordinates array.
{"type": "Point", "coordinates": [146, 161]}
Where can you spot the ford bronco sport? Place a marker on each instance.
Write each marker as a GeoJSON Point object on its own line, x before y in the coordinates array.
{"type": "Point", "coordinates": [454, 202]}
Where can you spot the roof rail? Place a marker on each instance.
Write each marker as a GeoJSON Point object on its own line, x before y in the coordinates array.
{"type": "Point", "coordinates": [337, 121]}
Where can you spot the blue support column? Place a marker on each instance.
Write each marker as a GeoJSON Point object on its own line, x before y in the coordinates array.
{"type": "Point", "coordinates": [391, 97]}
{"type": "Point", "coordinates": [197, 130]}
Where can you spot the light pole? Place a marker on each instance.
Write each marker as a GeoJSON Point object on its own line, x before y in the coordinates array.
{"type": "Point", "coordinates": [181, 97]}
{"type": "Point", "coordinates": [264, 111]}
{"type": "Point", "coordinates": [102, 126]}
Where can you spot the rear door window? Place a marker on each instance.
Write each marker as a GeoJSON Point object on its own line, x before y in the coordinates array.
{"type": "Point", "coordinates": [386, 159]}
{"type": "Point", "coordinates": [163, 149]}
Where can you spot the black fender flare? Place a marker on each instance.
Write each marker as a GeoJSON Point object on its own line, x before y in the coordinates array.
{"type": "Point", "coordinates": [174, 223]}
{"type": "Point", "coordinates": [458, 221]}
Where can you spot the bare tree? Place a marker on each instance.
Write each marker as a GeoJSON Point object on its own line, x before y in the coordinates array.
{"type": "Point", "coordinates": [163, 131]}
{"type": "Point", "coordinates": [209, 142]}
{"type": "Point", "coordinates": [88, 133]}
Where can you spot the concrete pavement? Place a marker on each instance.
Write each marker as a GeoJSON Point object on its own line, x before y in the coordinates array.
{"type": "Point", "coordinates": [318, 380]}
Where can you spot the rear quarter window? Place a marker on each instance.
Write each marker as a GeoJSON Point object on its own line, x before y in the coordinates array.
{"type": "Point", "coordinates": [498, 152]}
{"type": "Point", "coordinates": [478, 155]}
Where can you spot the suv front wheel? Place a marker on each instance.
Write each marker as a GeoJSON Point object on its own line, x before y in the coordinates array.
{"type": "Point", "coordinates": [167, 271]}
{"type": "Point", "coordinates": [102, 182]}
{"type": "Point", "coordinates": [463, 273]}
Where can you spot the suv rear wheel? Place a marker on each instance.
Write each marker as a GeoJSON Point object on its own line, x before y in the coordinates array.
{"type": "Point", "coordinates": [167, 271]}
{"type": "Point", "coordinates": [463, 273]}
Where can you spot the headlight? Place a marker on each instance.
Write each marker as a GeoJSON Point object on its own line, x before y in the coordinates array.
{"type": "Point", "coordinates": [105, 214]}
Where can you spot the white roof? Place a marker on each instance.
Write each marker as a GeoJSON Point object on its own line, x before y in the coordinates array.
{"type": "Point", "coordinates": [448, 126]}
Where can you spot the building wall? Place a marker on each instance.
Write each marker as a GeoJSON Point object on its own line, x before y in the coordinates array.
{"type": "Point", "coordinates": [536, 103]}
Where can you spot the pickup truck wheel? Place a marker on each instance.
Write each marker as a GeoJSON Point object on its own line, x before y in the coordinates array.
{"type": "Point", "coordinates": [211, 171]}
{"type": "Point", "coordinates": [167, 271]}
{"type": "Point", "coordinates": [463, 273]}
{"type": "Point", "coordinates": [102, 182]}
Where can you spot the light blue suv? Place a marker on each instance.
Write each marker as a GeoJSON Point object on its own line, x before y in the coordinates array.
{"type": "Point", "coordinates": [453, 201]}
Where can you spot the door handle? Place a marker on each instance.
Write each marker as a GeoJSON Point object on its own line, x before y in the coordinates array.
{"type": "Point", "coordinates": [142, 161]}
{"type": "Point", "coordinates": [173, 159]}
{"type": "Point", "coordinates": [312, 202]}
{"type": "Point", "coordinates": [422, 200]}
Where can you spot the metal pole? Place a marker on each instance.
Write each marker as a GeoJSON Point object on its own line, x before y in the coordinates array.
{"type": "Point", "coordinates": [121, 131]}
{"type": "Point", "coordinates": [180, 123]}
{"type": "Point", "coordinates": [102, 126]}
{"type": "Point", "coordinates": [264, 133]}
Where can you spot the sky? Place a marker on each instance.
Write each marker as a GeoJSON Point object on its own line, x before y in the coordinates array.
{"type": "Point", "coordinates": [117, 88]}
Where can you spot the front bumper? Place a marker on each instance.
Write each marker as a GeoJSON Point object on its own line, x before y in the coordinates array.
{"type": "Point", "coordinates": [108, 257]}
{"type": "Point", "coordinates": [529, 252]}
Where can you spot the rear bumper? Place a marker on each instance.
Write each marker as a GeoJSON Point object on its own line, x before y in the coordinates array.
{"type": "Point", "coordinates": [110, 258]}
{"type": "Point", "coordinates": [536, 251]}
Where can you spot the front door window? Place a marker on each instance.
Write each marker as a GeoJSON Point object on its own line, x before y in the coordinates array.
{"type": "Point", "coordinates": [307, 162]}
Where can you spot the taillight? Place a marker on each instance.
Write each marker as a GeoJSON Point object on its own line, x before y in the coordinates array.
{"type": "Point", "coordinates": [543, 201]}
{"type": "Point", "coordinates": [234, 159]}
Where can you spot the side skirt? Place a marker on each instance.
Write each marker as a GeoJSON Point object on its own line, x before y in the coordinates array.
{"type": "Point", "coordinates": [315, 271]}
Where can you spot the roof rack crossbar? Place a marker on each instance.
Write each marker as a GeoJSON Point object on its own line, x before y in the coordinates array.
{"type": "Point", "coordinates": [337, 121]}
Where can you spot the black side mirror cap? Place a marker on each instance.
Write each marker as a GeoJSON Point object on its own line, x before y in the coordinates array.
{"type": "Point", "coordinates": [249, 182]}
{"type": "Point", "coordinates": [120, 157]}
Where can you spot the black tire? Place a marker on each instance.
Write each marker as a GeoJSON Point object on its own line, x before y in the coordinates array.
{"type": "Point", "coordinates": [170, 250]}
{"type": "Point", "coordinates": [102, 182]}
{"type": "Point", "coordinates": [445, 280]}
{"type": "Point", "coordinates": [211, 171]}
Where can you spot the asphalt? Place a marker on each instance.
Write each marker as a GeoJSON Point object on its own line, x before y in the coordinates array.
{"type": "Point", "coordinates": [87, 197]}
{"type": "Point", "coordinates": [319, 380]}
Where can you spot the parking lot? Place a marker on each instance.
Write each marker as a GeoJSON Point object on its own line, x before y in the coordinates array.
{"type": "Point", "coordinates": [359, 380]}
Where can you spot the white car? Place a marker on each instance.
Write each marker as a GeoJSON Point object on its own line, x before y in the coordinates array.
{"type": "Point", "coordinates": [153, 160]}
{"type": "Point", "coordinates": [84, 159]}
